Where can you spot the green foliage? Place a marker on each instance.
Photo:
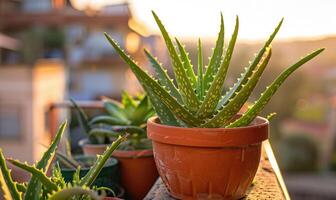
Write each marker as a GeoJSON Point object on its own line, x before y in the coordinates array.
{"type": "Point", "coordinates": [128, 116]}
{"type": "Point", "coordinates": [202, 104]}
{"type": "Point", "coordinates": [53, 187]}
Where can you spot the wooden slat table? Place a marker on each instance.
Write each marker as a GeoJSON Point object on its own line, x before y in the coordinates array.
{"type": "Point", "coordinates": [268, 183]}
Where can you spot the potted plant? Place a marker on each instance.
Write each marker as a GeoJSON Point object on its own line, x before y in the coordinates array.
{"type": "Point", "coordinates": [41, 186]}
{"type": "Point", "coordinates": [203, 147]}
{"type": "Point", "coordinates": [108, 177]}
{"type": "Point", "coordinates": [137, 166]}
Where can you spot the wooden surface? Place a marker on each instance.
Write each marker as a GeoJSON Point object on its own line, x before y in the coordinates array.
{"type": "Point", "coordinates": [268, 183]}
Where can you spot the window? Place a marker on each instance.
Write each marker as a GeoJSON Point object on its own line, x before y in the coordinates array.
{"type": "Point", "coordinates": [10, 122]}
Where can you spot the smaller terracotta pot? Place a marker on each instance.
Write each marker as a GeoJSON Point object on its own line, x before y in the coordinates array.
{"type": "Point", "coordinates": [207, 163]}
{"type": "Point", "coordinates": [137, 168]}
{"type": "Point", "coordinates": [138, 172]}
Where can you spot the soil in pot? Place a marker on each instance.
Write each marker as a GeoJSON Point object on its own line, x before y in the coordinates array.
{"type": "Point", "coordinates": [137, 168]}
{"type": "Point", "coordinates": [108, 177]}
{"type": "Point", "coordinates": [207, 163]}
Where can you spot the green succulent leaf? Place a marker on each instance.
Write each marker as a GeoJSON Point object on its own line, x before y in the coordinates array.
{"type": "Point", "coordinates": [92, 174]}
{"type": "Point", "coordinates": [216, 58]}
{"type": "Point", "coordinates": [34, 185]}
{"type": "Point", "coordinates": [187, 63]}
{"type": "Point", "coordinates": [200, 83]}
{"type": "Point", "coordinates": [214, 93]}
{"type": "Point", "coordinates": [104, 119]}
{"type": "Point", "coordinates": [249, 115]}
{"type": "Point", "coordinates": [83, 119]}
{"type": "Point", "coordinates": [104, 132]}
{"type": "Point", "coordinates": [129, 104]}
{"type": "Point", "coordinates": [186, 90]}
{"type": "Point", "coordinates": [153, 88]}
{"type": "Point", "coordinates": [163, 112]}
{"type": "Point", "coordinates": [48, 184]}
{"type": "Point", "coordinates": [271, 116]}
{"type": "Point", "coordinates": [141, 111]}
{"type": "Point", "coordinates": [238, 101]}
{"type": "Point", "coordinates": [248, 71]}
{"type": "Point", "coordinates": [8, 187]}
{"type": "Point", "coordinates": [115, 109]}
{"type": "Point", "coordinates": [163, 77]}
{"type": "Point", "coordinates": [22, 187]}
{"type": "Point", "coordinates": [68, 193]}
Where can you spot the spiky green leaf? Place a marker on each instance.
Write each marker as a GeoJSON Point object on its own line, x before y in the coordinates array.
{"type": "Point", "coordinates": [200, 83]}
{"type": "Point", "coordinates": [8, 187]}
{"type": "Point", "coordinates": [216, 58]}
{"type": "Point", "coordinates": [141, 111]}
{"type": "Point", "coordinates": [94, 171]}
{"type": "Point", "coordinates": [104, 119]}
{"type": "Point", "coordinates": [48, 184]}
{"type": "Point", "coordinates": [186, 90]}
{"type": "Point", "coordinates": [214, 93]}
{"type": "Point", "coordinates": [82, 118]}
{"type": "Point", "coordinates": [34, 185]}
{"type": "Point", "coordinates": [163, 77]}
{"type": "Point", "coordinates": [238, 101]}
{"type": "Point", "coordinates": [187, 63]}
{"type": "Point", "coordinates": [114, 108]}
{"type": "Point", "coordinates": [248, 71]}
{"type": "Point", "coordinates": [249, 115]}
{"type": "Point", "coordinates": [152, 87]}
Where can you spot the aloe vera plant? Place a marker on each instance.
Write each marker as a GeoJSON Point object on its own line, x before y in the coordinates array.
{"type": "Point", "coordinates": [128, 116]}
{"type": "Point", "coordinates": [41, 186]}
{"type": "Point", "coordinates": [196, 100]}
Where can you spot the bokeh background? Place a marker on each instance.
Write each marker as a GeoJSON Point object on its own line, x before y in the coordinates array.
{"type": "Point", "coordinates": [53, 50]}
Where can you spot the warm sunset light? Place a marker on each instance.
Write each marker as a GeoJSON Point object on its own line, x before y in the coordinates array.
{"type": "Point", "coordinates": [258, 17]}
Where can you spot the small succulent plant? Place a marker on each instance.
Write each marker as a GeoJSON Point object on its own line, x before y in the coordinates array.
{"type": "Point", "coordinates": [196, 100]}
{"type": "Point", "coordinates": [128, 116]}
{"type": "Point", "coordinates": [41, 186]}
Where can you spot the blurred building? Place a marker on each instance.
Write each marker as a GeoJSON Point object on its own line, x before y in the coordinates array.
{"type": "Point", "coordinates": [55, 29]}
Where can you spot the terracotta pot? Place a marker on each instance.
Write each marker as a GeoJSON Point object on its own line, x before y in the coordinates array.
{"type": "Point", "coordinates": [207, 163]}
{"type": "Point", "coordinates": [137, 168]}
{"type": "Point", "coordinates": [138, 172]}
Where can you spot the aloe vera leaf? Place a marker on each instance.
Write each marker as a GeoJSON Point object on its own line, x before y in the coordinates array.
{"type": "Point", "coordinates": [81, 116]}
{"type": "Point", "coordinates": [238, 101]}
{"type": "Point", "coordinates": [248, 71]}
{"type": "Point", "coordinates": [163, 77]}
{"type": "Point", "coordinates": [152, 86]}
{"type": "Point", "coordinates": [214, 93]}
{"type": "Point", "coordinates": [216, 58]}
{"type": "Point", "coordinates": [124, 129]}
{"type": "Point", "coordinates": [187, 63]}
{"type": "Point", "coordinates": [200, 85]}
{"type": "Point", "coordinates": [139, 114]}
{"type": "Point", "coordinates": [69, 161]}
{"type": "Point", "coordinates": [8, 186]}
{"type": "Point", "coordinates": [94, 171]}
{"type": "Point", "coordinates": [34, 186]}
{"type": "Point", "coordinates": [68, 193]}
{"type": "Point", "coordinates": [115, 109]}
{"type": "Point", "coordinates": [163, 112]}
{"type": "Point", "coordinates": [104, 119]}
{"type": "Point", "coordinates": [48, 184]}
{"type": "Point", "coordinates": [265, 97]}
{"type": "Point", "coordinates": [186, 90]}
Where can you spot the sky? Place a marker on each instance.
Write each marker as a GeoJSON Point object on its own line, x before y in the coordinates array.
{"type": "Point", "coordinates": [258, 18]}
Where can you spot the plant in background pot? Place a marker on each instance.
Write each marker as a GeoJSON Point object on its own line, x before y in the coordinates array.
{"type": "Point", "coordinates": [108, 177]}
{"type": "Point", "coordinates": [137, 166]}
{"type": "Point", "coordinates": [41, 186]}
{"type": "Point", "coordinates": [203, 148]}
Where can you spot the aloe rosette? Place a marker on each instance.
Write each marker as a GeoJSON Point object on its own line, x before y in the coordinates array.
{"type": "Point", "coordinates": [197, 100]}
{"type": "Point", "coordinates": [41, 186]}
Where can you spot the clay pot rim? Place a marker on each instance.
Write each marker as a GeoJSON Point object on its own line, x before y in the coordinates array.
{"type": "Point", "coordinates": [265, 122]}
{"type": "Point", "coordinates": [119, 153]}
{"type": "Point", "coordinates": [209, 137]}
